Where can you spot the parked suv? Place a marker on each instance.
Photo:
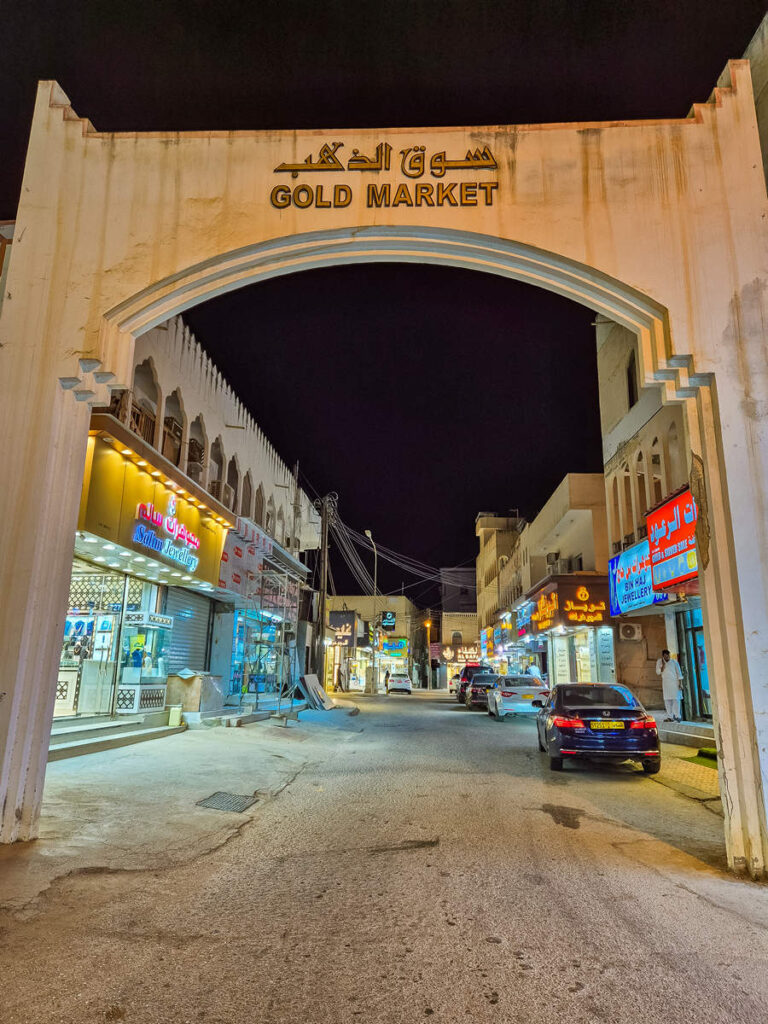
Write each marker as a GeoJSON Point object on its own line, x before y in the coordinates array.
{"type": "Point", "coordinates": [466, 678]}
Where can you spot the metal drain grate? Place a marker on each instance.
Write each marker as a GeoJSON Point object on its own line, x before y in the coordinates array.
{"type": "Point", "coordinates": [228, 802]}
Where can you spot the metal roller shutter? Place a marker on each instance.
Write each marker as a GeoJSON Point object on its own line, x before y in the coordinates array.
{"type": "Point", "coordinates": [189, 636]}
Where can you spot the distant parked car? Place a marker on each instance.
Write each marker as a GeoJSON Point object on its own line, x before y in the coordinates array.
{"type": "Point", "coordinates": [453, 683]}
{"type": "Point", "coordinates": [601, 721]}
{"type": "Point", "coordinates": [514, 695]}
{"type": "Point", "coordinates": [400, 682]}
{"type": "Point", "coordinates": [466, 677]}
{"type": "Point", "coordinates": [477, 690]}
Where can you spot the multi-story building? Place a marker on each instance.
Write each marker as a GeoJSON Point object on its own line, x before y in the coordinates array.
{"type": "Point", "coordinates": [458, 589]}
{"type": "Point", "coordinates": [188, 549]}
{"type": "Point", "coordinates": [645, 453]}
{"type": "Point", "coordinates": [560, 554]}
{"type": "Point", "coordinates": [497, 536]}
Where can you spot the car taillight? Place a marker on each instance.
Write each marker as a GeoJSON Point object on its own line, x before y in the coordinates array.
{"type": "Point", "coordinates": [508, 693]}
{"type": "Point", "coordinates": [644, 723]}
{"type": "Point", "coordinates": [567, 723]}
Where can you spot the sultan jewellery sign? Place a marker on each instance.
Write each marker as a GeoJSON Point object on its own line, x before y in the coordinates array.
{"type": "Point", "coordinates": [423, 173]}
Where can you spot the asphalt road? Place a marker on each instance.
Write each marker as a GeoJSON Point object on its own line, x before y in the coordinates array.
{"type": "Point", "coordinates": [431, 866]}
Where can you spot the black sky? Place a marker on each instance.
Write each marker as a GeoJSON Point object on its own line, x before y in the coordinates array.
{"type": "Point", "coordinates": [421, 395]}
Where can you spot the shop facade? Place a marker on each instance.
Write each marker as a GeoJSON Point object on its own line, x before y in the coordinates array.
{"type": "Point", "coordinates": [263, 582]}
{"type": "Point", "coordinates": [146, 561]}
{"type": "Point", "coordinates": [656, 605]}
{"type": "Point", "coordinates": [571, 615]}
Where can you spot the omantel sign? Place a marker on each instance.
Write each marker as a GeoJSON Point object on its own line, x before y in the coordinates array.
{"type": "Point", "coordinates": [423, 174]}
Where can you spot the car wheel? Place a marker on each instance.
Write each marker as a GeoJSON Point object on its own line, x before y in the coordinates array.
{"type": "Point", "coordinates": [556, 764]}
{"type": "Point", "coordinates": [651, 767]}
{"type": "Point", "coordinates": [498, 715]}
{"type": "Point", "coordinates": [542, 748]}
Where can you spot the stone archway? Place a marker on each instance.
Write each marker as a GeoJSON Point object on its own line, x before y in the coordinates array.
{"type": "Point", "coordinates": [118, 232]}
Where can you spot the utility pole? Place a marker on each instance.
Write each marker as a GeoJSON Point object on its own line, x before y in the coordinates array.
{"type": "Point", "coordinates": [326, 506]}
{"type": "Point", "coordinates": [374, 681]}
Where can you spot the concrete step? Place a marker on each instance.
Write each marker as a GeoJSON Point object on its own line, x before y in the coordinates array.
{"type": "Point", "coordinates": [96, 741]}
{"type": "Point", "coordinates": [687, 734]}
{"type": "Point", "coordinates": [84, 728]}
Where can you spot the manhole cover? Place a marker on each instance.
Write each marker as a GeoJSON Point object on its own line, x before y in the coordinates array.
{"type": "Point", "coordinates": [227, 802]}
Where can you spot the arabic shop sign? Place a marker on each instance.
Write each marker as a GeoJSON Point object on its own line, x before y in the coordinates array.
{"type": "Point", "coordinates": [394, 646]}
{"type": "Point", "coordinates": [125, 504]}
{"type": "Point", "coordinates": [466, 654]}
{"type": "Point", "coordinates": [344, 627]}
{"type": "Point", "coordinates": [388, 620]}
{"type": "Point", "coordinates": [672, 542]}
{"type": "Point", "coordinates": [571, 603]}
{"type": "Point", "coordinates": [486, 643]}
{"type": "Point", "coordinates": [584, 605]}
{"type": "Point", "coordinates": [523, 618]}
{"type": "Point", "coordinates": [411, 163]}
{"type": "Point", "coordinates": [165, 535]}
{"type": "Point", "coordinates": [545, 611]}
{"type": "Point", "coordinates": [630, 580]}
{"type": "Point", "coordinates": [502, 635]}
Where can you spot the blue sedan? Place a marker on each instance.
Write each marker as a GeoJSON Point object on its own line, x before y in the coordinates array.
{"type": "Point", "coordinates": [600, 721]}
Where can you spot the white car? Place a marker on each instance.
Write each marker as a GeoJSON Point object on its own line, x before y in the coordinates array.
{"type": "Point", "coordinates": [514, 695]}
{"type": "Point", "coordinates": [400, 682]}
{"type": "Point", "coordinates": [453, 683]}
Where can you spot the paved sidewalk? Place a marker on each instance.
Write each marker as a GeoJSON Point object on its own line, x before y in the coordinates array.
{"type": "Point", "coordinates": [135, 808]}
{"type": "Point", "coordinates": [696, 781]}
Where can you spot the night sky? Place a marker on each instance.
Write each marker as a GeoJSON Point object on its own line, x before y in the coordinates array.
{"type": "Point", "coordinates": [422, 395]}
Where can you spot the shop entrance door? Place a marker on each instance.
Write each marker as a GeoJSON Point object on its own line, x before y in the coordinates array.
{"type": "Point", "coordinates": [696, 693]}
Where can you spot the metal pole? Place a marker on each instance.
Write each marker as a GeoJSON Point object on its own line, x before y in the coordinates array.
{"type": "Point", "coordinates": [375, 682]}
{"type": "Point", "coordinates": [429, 658]}
{"type": "Point", "coordinates": [325, 507]}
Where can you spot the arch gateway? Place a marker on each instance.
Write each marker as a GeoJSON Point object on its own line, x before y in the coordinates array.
{"type": "Point", "coordinates": [659, 225]}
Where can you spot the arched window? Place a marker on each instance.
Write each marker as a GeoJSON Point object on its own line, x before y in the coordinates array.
{"type": "Point", "coordinates": [628, 518]}
{"type": "Point", "coordinates": [258, 506]}
{"type": "Point", "coordinates": [216, 469]}
{"type": "Point", "coordinates": [657, 472]}
{"type": "Point", "coordinates": [642, 496]}
{"type": "Point", "coordinates": [632, 390]}
{"type": "Point", "coordinates": [196, 449]}
{"type": "Point", "coordinates": [615, 513]}
{"type": "Point", "coordinates": [233, 484]}
{"type": "Point", "coordinates": [144, 402]}
{"type": "Point", "coordinates": [246, 501]}
{"type": "Point", "coordinates": [269, 525]}
{"type": "Point", "coordinates": [173, 428]}
{"type": "Point", "coordinates": [456, 638]}
{"type": "Point", "coordinates": [280, 529]}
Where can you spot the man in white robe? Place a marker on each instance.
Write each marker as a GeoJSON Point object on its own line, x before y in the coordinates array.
{"type": "Point", "coordinates": [671, 685]}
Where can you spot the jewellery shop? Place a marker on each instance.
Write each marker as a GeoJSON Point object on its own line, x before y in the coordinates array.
{"type": "Point", "coordinates": [147, 554]}
{"type": "Point", "coordinates": [572, 614]}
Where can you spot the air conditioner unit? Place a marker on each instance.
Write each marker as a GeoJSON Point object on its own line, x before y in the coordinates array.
{"type": "Point", "coordinates": [631, 631]}
{"type": "Point", "coordinates": [222, 492]}
{"type": "Point", "coordinates": [195, 471]}
{"type": "Point", "coordinates": [561, 567]}
{"type": "Point", "coordinates": [552, 557]}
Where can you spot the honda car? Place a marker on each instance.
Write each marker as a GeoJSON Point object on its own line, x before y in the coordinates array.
{"type": "Point", "coordinates": [600, 721]}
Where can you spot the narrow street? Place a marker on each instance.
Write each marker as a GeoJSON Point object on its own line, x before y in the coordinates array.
{"type": "Point", "coordinates": [430, 866]}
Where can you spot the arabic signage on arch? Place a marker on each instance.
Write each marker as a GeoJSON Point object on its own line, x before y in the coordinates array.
{"type": "Point", "coordinates": [458, 654]}
{"type": "Point", "coordinates": [672, 542]}
{"type": "Point", "coordinates": [411, 163]}
{"type": "Point", "coordinates": [631, 580]}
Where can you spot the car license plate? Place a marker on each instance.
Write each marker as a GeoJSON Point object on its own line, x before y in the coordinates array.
{"type": "Point", "coordinates": [607, 725]}
{"type": "Point", "coordinates": [527, 696]}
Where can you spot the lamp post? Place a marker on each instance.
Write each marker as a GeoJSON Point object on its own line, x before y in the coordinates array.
{"type": "Point", "coordinates": [428, 624]}
{"type": "Point", "coordinates": [374, 682]}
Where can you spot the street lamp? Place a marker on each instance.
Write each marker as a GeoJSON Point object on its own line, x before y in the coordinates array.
{"type": "Point", "coordinates": [428, 624]}
{"type": "Point", "coordinates": [374, 682]}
